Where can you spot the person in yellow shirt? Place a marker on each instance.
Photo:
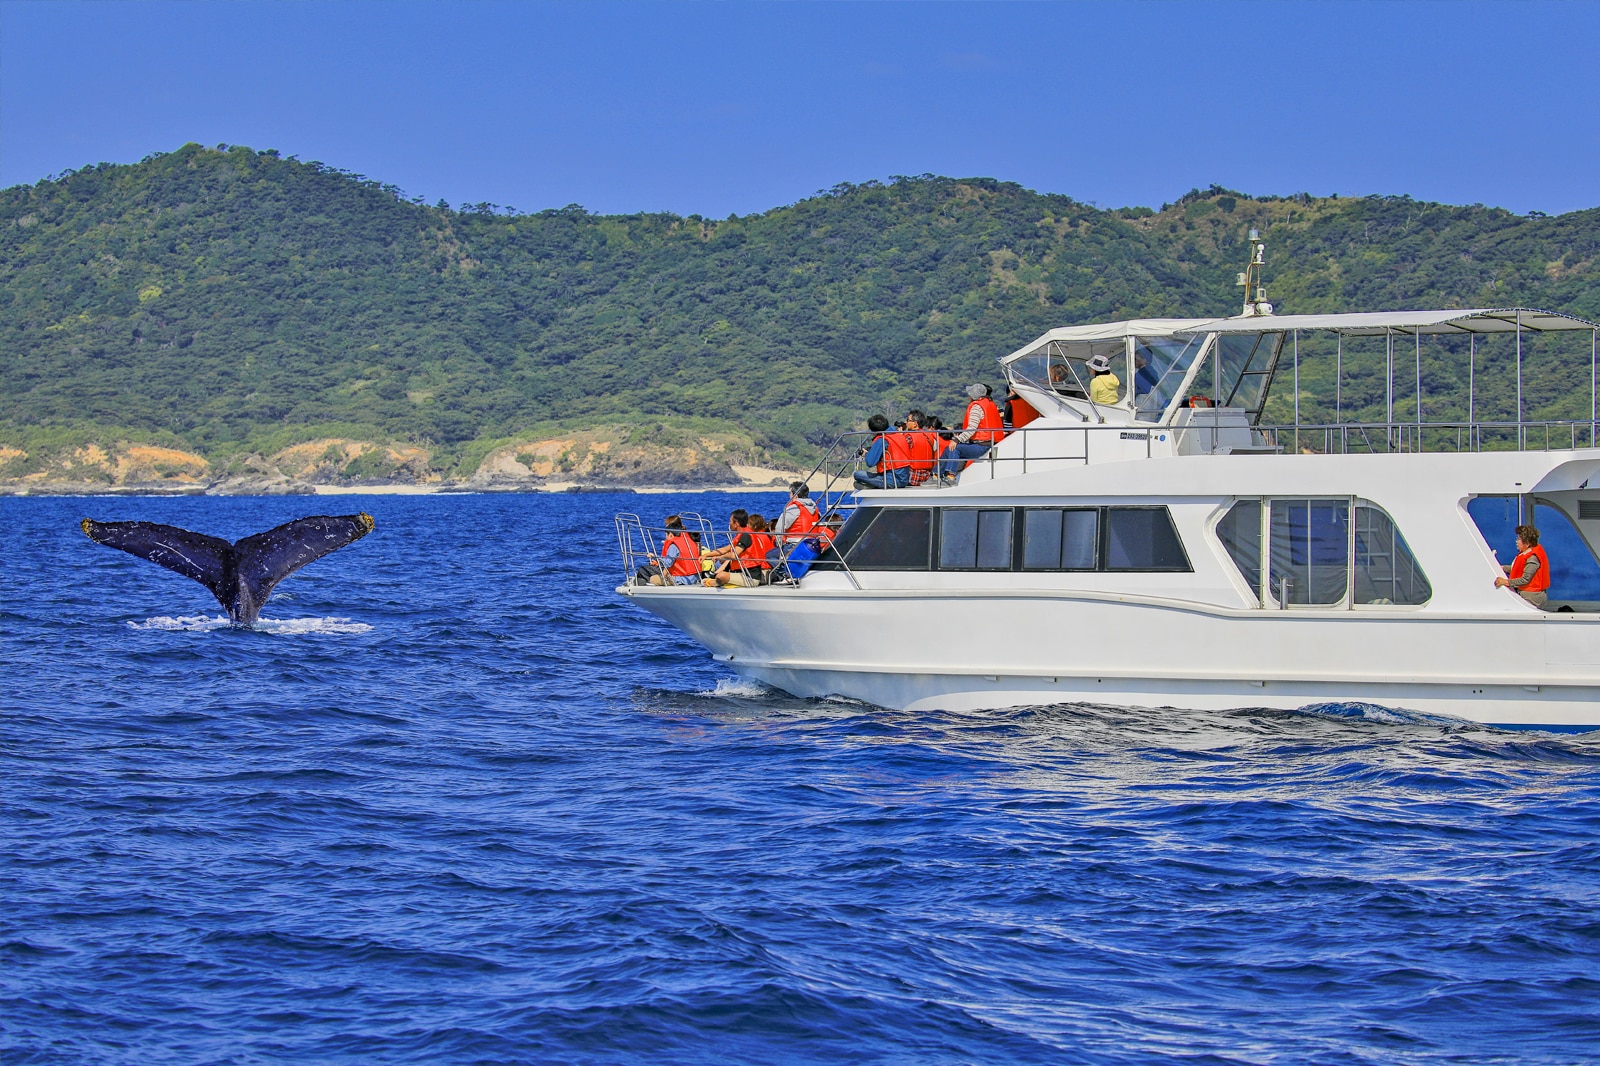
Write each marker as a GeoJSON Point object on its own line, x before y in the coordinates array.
{"type": "Point", "coordinates": [1104, 388]}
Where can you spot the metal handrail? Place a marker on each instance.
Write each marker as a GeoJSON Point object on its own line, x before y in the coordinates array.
{"type": "Point", "coordinates": [638, 543]}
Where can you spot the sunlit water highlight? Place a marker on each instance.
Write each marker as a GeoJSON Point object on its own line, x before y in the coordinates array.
{"type": "Point", "coordinates": [454, 801]}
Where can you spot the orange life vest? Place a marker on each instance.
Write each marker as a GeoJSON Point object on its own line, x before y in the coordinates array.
{"type": "Point", "coordinates": [804, 522]}
{"type": "Point", "coordinates": [1541, 577]}
{"type": "Point", "coordinates": [896, 452]}
{"type": "Point", "coordinates": [920, 444]}
{"type": "Point", "coordinates": [990, 428]}
{"type": "Point", "coordinates": [687, 564]}
{"type": "Point", "coordinates": [755, 556]}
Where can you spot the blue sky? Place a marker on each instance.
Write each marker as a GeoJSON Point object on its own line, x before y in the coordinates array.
{"type": "Point", "coordinates": [718, 108]}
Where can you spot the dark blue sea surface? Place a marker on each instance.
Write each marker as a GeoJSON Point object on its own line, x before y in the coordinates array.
{"type": "Point", "coordinates": [455, 801]}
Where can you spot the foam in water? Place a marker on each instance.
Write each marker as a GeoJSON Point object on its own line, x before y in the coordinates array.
{"type": "Point", "coordinates": [290, 627]}
{"type": "Point", "coordinates": [738, 688]}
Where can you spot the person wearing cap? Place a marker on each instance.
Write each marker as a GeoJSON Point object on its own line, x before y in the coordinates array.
{"type": "Point", "coordinates": [1104, 388]}
{"type": "Point", "coordinates": [981, 428]}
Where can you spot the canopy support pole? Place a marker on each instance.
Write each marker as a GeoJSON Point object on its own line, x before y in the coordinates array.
{"type": "Point", "coordinates": [1521, 435]}
{"type": "Point", "coordinates": [1472, 378]}
{"type": "Point", "coordinates": [1388, 385]}
{"type": "Point", "coordinates": [1338, 381]}
{"type": "Point", "coordinates": [1594, 336]}
{"type": "Point", "coordinates": [1297, 392]}
{"type": "Point", "coordinates": [1418, 336]}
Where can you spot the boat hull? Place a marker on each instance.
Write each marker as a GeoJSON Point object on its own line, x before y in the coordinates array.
{"type": "Point", "coordinates": [917, 650]}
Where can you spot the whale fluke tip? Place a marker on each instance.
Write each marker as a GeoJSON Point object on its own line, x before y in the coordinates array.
{"type": "Point", "coordinates": [367, 524]}
{"type": "Point", "coordinates": [86, 523]}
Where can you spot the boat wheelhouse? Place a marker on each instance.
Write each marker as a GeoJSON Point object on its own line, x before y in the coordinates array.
{"type": "Point", "coordinates": [1177, 547]}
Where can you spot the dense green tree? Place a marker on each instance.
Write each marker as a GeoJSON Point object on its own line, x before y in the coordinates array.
{"type": "Point", "coordinates": [226, 298]}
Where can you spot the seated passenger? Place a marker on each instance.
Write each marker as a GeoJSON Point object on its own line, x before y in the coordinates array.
{"type": "Point", "coordinates": [680, 556]}
{"type": "Point", "coordinates": [799, 516]}
{"type": "Point", "coordinates": [752, 567]}
{"type": "Point", "coordinates": [888, 460]}
{"type": "Point", "coordinates": [1529, 573]}
{"type": "Point", "coordinates": [1104, 388]}
{"type": "Point", "coordinates": [981, 428]}
{"type": "Point", "coordinates": [738, 521]}
{"type": "Point", "coordinates": [923, 445]}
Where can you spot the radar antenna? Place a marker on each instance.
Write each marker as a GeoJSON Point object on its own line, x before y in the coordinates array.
{"type": "Point", "coordinates": [1250, 279]}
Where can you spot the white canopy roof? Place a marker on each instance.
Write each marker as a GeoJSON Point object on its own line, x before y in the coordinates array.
{"type": "Point", "coordinates": [1378, 323]}
{"type": "Point", "coordinates": [1111, 331]}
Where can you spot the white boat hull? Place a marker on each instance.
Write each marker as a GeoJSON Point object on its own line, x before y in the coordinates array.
{"type": "Point", "coordinates": [917, 650]}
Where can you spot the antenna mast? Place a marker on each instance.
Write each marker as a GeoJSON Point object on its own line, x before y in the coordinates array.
{"type": "Point", "coordinates": [1250, 279]}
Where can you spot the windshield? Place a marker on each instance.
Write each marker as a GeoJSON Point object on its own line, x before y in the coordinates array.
{"type": "Point", "coordinates": [1062, 367]}
{"type": "Point", "coordinates": [1159, 367]}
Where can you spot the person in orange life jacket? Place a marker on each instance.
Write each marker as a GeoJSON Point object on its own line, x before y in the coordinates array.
{"type": "Point", "coordinates": [980, 429]}
{"type": "Point", "coordinates": [680, 556]}
{"type": "Point", "coordinates": [799, 516]}
{"type": "Point", "coordinates": [922, 444]}
{"type": "Point", "coordinates": [751, 567]}
{"type": "Point", "coordinates": [1529, 572]}
{"type": "Point", "coordinates": [888, 461]}
{"type": "Point", "coordinates": [738, 522]}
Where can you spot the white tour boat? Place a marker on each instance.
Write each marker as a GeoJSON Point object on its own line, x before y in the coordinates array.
{"type": "Point", "coordinates": [1171, 549]}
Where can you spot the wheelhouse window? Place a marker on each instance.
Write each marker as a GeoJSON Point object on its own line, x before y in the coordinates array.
{"type": "Point", "coordinates": [1243, 364]}
{"type": "Point", "coordinates": [1159, 366]}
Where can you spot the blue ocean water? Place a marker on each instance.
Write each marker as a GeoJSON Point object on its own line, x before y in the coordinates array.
{"type": "Point", "coordinates": [455, 801]}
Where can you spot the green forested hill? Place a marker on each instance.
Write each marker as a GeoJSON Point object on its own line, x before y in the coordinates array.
{"type": "Point", "coordinates": [230, 300]}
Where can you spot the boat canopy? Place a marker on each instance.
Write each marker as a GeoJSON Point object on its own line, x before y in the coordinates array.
{"type": "Point", "coordinates": [1407, 323]}
{"type": "Point", "coordinates": [1110, 331]}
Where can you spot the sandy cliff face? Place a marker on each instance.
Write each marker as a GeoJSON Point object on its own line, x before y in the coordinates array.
{"type": "Point", "coordinates": [613, 456]}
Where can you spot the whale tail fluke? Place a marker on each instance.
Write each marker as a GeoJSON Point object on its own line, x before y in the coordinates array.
{"type": "Point", "coordinates": [240, 575]}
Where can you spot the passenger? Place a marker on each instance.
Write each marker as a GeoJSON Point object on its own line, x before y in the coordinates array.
{"type": "Point", "coordinates": [1529, 572]}
{"type": "Point", "coordinates": [752, 567]}
{"type": "Point", "coordinates": [738, 528]}
{"type": "Point", "coordinates": [923, 445]}
{"type": "Point", "coordinates": [981, 428]}
{"type": "Point", "coordinates": [1104, 388]}
{"type": "Point", "coordinates": [799, 516]}
{"type": "Point", "coordinates": [888, 459]}
{"type": "Point", "coordinates": [680, 555]}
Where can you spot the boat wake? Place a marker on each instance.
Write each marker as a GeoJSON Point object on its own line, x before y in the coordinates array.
{"type": "Point", "coordinates": [282, 627]}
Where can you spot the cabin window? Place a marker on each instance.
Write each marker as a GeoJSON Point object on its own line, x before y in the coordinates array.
{"type": "Point", "coordinates": [1056, 538]}
{"type": "Point", "coordinates": [975, 539]}
{"type": "Point", "coordinates": [1142, 538]}
{"type": "Point", "coordinates": [1310, 551]}
{"type": "Point", "coordinates": [894, 538]}
{"type": "Point", "coordinates": [1385, 569]}
{"type": "Point", "coordinates": [1240, 533]}
{"type": "Point", "coordinates": [1574, 572]}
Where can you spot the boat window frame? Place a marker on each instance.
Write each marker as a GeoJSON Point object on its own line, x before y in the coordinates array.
{"type": "Point", "coordinates": [1262, 593]}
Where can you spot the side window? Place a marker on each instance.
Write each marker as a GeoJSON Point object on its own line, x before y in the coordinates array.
{"type": "Point", "coordinates": [974, 539]}
{"type": "Point", "coordinates": [1142, 538]}
{"type": "Point", "coordinates": [1385, 569]}
{"type": "Point", "coordinates": [1240, 533]}
{"type": "Point", "coordinates": [897, 539]}
{"type": "Point", "coordinates": [1054, 538]}
{"type": "Point", "coordinates": [1310, 551]}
